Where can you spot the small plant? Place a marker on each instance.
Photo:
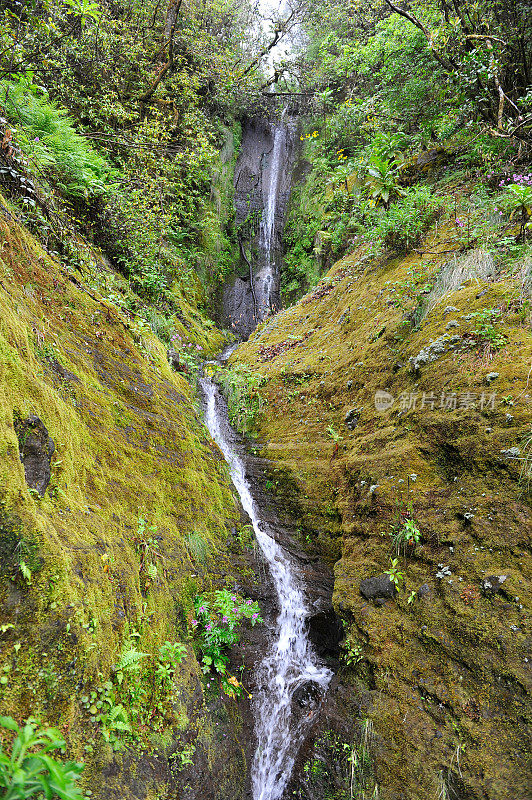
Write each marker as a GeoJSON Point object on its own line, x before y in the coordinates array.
{"type": "Point", "coordinates": [518, 201]}
{"type": "Point", "coordinates": [170, 656]}
{"type": "Point", "coordinates": [333, 434]}
{"type": "Point", "coordinates": [394, 572]}
{"type": "Point", "coordinates": [218, 619]}
{"type": "Point", "coordinates": [411, 597]}
{"type": "Point", "coordinates": [408, 535]}
{"type": "Point", "coordinates": [28, 770]}
{"type": "Point", "coordinates": [182, 758]}
{"type": "Point", "coordinates": [25, 571]}
{"type": "Point", "coordinates": [130, 659]}
{"type": "Point", "coordinates": [380, 181]}
{"type": "Point", "coordinates": [486, 330]}
{"type": "Point", "coordinates": [353, 651]}
{"type": "Point", "coordinates": [244, 401]}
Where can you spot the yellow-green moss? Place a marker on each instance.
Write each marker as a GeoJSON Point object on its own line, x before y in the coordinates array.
{"type": "Point", "coordinates": [129, 442]}
{"type": "Point", "coordinates": [440, 670]}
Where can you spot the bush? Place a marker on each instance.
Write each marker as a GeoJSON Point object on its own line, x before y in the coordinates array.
{"type": "Point", "coordinates": [404, 224]}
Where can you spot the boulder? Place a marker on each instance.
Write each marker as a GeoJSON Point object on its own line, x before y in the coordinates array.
{"type": "Point", "coordinates": [381, 586]}
{"type": "Point", "coordinates": [307, 695]}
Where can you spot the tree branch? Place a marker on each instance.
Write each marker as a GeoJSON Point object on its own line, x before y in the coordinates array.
{"type": "Point", "coordinates": [447, 64]}
{"type": "Point", "coordinates": [171, 19]}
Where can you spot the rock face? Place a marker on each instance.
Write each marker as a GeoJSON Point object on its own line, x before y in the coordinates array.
{"type": "Point", "coordinates": [73, 568]}
{"type": "Point", "coordinates": [262, 183]}
{"type": "Point", "coordinates": [36, 450]}
{"type": "Point", "coordinates": [325, 631]}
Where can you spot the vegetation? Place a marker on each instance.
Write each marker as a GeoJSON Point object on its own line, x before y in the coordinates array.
{"type": "Point", "coordinates": [241, 387]}
{"type": "Point", "coordinates": [217, 623]}
{"type": "Point", "coordinates": [28, 770]}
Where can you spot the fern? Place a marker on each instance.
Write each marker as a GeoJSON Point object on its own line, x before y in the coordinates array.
{"type": "Point", "coordinates": [129, 662]}
{"type": "Point", "coordinates": [197, 546]}
{"type": "Point", "coordinates": [46, 135]}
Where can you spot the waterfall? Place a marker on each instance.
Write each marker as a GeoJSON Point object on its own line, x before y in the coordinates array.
{"type": "Point", "coordinates": [263, 176]}
{"type": "Point", "coordinates": [291, 662]}
{"type": "Point", "coordinates": [267, 280]}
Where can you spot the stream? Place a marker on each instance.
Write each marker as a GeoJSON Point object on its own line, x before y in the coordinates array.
{"type": "Point", "coordinates": [290, 662]}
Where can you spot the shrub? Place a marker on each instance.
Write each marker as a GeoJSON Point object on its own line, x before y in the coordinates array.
{"type": "Point", "coordinates": [218, 620]}
{"type": "Point", "coordinates": [404, 224]}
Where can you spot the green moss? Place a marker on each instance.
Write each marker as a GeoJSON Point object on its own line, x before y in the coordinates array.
{"type": "Point", "coordinates": [440, 668]}
{"type": "Point", "coordinates": [128, 442]}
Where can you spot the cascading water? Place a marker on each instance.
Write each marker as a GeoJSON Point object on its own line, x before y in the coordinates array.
{"type": "Point", "coordinates": [291, 662]}
{"type": "Point", "coordinates": [267, 279]}
{"type": "Point", "coordinates": [263, 177]}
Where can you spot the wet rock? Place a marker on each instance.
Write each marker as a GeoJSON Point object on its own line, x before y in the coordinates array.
{"type": "Point", "coordinates": [352, 418]}
{"type": "Point", "coordinates": [381, 586]}
{"type": "Point", "coordinates": [36, 449]}
{"type": "Point", "coordinates": [307, 695]}
{"type": "Point", "coordinates": [424, 590]}
{"type": "Point", "coordinates": [325, 631]}
{"type": "Point", "coordinates": [490, 377]}
{"type": "Point", "coordinates": [492, 584]}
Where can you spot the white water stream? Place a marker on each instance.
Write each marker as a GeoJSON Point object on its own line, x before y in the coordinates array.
{"type": "Point", "coordinates": [267, 277]}
{"type": "Point", "coordinates": [291, 662]}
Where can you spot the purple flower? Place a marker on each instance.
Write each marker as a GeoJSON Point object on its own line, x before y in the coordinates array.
{"type": "Point", "coordinates": [199, 347]}
{"type": "Point", "coordinates": [254, 616]}
{"type": "Point", "coordinates": [36, 139]}
{"type": "Point", "coordinates": [201, 608]}
{"type": "Point", "coordinates": [233, 599]}
{"type": "Point", "coordinates": [235, 610]}
{"type": "Point", "coordinates": [194, 622]}
{"type": "Point", "coordinates": [225, 619]}
{"type": "Point", "coordinates": [249, 602]}
{"type": "Point", "coordinates": [208, 627]}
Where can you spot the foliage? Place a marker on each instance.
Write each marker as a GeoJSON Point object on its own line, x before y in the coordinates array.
{"type": "Point", "coordinates": [518, 201]}
{"type": "Point", "coordinates": [47, 138]}
{"type": "Point", "coordinates": [241, 387]}
{"type": "Point", "coordinates": [217, 623]}
{"type": "Point", "coordinates": [407, 535]}
{"type": "Point", "coordinates": [486, 331]}
{"type": "Point", "coordinates": [380, 180]}
{"type": "Point", "coordinates": [395, 573]}
{"type": "Point", "coordinates": [405, 222]}
{"type": "Point", "coordinates": [129, 661]}
{"type": "Point", "coordinates": [28, 770]}
{"type": "Point", "coordinates": [353, 653]}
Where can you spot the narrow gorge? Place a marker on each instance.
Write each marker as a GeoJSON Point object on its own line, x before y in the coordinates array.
{"type": "Point", "coordinates": [265, 400]}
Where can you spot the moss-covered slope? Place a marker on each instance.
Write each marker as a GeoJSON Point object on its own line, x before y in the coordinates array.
{"type": "Point", "coordinates": [82, 580]}
{"type": "Point", "coordinates": [445, 663]}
